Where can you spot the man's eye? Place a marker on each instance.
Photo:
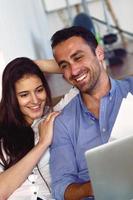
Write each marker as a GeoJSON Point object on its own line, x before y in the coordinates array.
{"type": "Point", "coordinates": [63, 66]}
{"type": "Point", "coordinates": [78, 58]}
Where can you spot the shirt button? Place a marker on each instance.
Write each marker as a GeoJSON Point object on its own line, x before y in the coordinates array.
{"type": "Point", "coordinates": [110, 98]}
{"type": "Point", "coordinates": [103, 130]}
{"type": "Point", "coordinates": [93, 118]}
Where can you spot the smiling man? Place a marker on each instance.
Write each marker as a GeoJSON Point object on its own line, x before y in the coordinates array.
{"type": "Point", "coordinates": [87, 120]}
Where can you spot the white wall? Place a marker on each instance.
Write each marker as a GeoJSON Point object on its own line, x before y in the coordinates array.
{"type": "Point", "coordinates": [23, 29]}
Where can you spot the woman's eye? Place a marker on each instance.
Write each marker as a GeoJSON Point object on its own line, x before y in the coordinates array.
{"type": "Point", "coordinates": [23, 95]}
{"type": "Point", "coordinates": [40, 89]}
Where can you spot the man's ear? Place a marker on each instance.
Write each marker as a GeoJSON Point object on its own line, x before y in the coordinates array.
{"type": "Point", "coordinates": [100, 53]}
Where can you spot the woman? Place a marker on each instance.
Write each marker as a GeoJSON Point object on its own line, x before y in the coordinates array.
{"type": "Point", "coordinates": [24, 155]}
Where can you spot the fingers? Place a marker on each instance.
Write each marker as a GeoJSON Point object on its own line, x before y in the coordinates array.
{"type": "Point", "coordinates": [52, 116]}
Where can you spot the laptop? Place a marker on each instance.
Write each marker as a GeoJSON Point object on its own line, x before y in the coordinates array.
{"type": "Point", "coordinates": [111, 169]}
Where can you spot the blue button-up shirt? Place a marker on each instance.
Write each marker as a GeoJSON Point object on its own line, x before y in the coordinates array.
{"type": "Point", "coordinates": [77, 130]}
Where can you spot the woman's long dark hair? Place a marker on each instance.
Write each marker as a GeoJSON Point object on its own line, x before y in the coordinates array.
{"type": "Point", "coordinates": [16, 136]}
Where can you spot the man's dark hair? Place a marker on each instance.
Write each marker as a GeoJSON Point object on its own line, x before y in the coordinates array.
{"type": "Point", "coordinates": [78, 31]}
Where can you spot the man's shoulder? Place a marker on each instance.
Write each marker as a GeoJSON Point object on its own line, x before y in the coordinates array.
{"type": "Point", "coordinates": [125, 84]}
{"type": "Point", "coordinates": [127, 79]}
{"type": "Point", "coordinates": [71, 105]}
{"type": "Point", "coordinates": [70, 109]}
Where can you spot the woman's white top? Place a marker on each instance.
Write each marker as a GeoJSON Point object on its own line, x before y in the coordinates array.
{"type": "Point", "coordinates": [35, 186]}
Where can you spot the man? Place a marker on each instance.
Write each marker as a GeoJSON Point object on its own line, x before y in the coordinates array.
{"type": "Point", "coordinates": [87, 120]}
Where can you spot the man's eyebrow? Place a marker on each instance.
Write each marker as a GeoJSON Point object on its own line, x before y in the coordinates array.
{"type": "Point", "coordinates": [77, 52]}
{"type": "Point", "coordinates": [73, 55]}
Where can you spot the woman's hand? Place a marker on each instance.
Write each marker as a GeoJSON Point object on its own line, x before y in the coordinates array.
{"type": "Point", "coordinates": [46, 129]}
{"type": "Point", "coordinates": [26, 164]}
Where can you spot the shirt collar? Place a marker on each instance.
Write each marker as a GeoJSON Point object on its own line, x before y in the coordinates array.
{"type": "Point", "coordinates": [111, 92]}
{"type": "Point", "coordinates": [84, 108]}
{"type": "Point", "coordinates": [112, 86]}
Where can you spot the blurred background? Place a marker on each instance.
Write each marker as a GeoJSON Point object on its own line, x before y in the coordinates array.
{"type": "Point", "coordinates": [26, 27]}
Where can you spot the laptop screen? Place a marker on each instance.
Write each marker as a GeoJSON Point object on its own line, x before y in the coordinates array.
{"type": "Point", "coordinates": [111, 169]}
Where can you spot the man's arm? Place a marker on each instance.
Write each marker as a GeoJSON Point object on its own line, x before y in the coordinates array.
{"type": "Point", "coordinates": [66, 183]}
{"type": "Point", "coordinates": [76, 191]}
{"type": "Point", "coordinates": [49, 66]}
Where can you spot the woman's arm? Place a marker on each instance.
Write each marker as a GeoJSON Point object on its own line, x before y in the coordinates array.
{"type": "Point", "coordinates": [13, 177]}
{"type": "Point", "coordinates": [49, 66]}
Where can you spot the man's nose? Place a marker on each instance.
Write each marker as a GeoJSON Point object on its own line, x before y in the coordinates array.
{"type": "Point", "coordinates": [74, 69]}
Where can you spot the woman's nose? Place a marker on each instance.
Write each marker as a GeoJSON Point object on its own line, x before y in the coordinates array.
{"type": "Point", "coordinates": [34, 98]}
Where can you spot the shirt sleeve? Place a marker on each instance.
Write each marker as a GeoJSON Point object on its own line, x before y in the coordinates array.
{"type": "Point", "coordinates": [62, 161]}
{"type": "Point", "coordinates": [66, 99]}
{"type": "Point", "coordinates": [129, 84]}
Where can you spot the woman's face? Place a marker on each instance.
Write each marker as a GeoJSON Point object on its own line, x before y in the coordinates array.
{"type": "Point", "coordinates": [31, 97]}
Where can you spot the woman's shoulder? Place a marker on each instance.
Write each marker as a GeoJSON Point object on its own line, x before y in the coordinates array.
{"type": "Point", "coordinates": [66, 99]}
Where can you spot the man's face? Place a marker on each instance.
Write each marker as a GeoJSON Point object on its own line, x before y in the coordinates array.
{"type": "Point", "coordinates": [78, 63]}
